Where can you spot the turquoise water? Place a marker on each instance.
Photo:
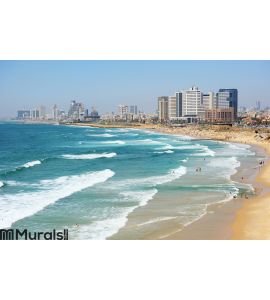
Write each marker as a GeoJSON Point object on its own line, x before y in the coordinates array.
{"type": "Point", "coordinates": [89, 179]}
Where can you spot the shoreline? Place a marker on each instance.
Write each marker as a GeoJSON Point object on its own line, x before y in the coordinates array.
{"type": "Point", "coordinates": [237, 218]}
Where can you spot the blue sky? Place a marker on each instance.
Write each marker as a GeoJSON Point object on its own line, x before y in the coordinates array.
{"type": "Point", "coordinates": [105, 84]}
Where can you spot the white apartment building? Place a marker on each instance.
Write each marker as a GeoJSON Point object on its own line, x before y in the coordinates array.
{"type": "Point", "coordinates": [172, 107]}
{"type": "Point", "coordinates": [122, 110]}
{"type": "Point", "coordinates": [192, 102]}
{"type": "Point", "coordinates": [209, 100]}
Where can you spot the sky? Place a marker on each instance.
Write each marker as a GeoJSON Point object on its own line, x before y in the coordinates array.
{"type": "Point", "coordinates": [106, 84]}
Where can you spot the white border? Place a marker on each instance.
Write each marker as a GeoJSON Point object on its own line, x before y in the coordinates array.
{"type": "Point", "coordinates": [121, 29]}
{"type": "Point", "coordinates": [145, 29]}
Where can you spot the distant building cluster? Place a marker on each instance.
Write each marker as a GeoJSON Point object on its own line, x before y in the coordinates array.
{"type": "Point", "coordinates": [76, 113]}
{"type": "Point", "coordinates": [127, 113]}
{"type": "Point", "coordinates": [254, 116]}
{"type": "Point", "coordinates": [192, 105]}
{"type": "Point", "coordinates": [41, 113]}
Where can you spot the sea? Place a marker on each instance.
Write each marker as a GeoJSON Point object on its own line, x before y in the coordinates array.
{"type": "Point", "coordinates": [89, 179]}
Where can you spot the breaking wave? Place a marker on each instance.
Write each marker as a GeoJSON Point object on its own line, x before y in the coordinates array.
{"type": "Point", "coordinates": [89, 156]}
{"type": "Point", "coordinates": [14, 207]}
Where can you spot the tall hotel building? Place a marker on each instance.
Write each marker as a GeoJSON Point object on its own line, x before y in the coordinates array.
{"type": "Point", "coordinates": [228, 98]}
{"type": "Point", "coordinates": [163, 108]}
{"type": "Point", "coordinates": [192, 105]}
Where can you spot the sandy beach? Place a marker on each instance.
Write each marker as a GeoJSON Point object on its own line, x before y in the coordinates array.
{"type": "Point", "coordinates": [236, 219]}
{"type": "Point", "coordinates": [250, 220]}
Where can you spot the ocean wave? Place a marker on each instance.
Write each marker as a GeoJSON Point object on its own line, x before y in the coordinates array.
{"type": "Point", "coordinates": [206, 151]}
{"type": "Point", "coordinates": [107, 135]}
{"type": "Point", "coordinates": [129, 134]}
{"type": "Point", "coordinates": [202, 149]}
{"type": "Point", "coordinates": [141, 197]}
{"type": "Point", "coordinates": [151, 181]}
{"type": "Point", "coordinates": [16, 183]}
{"type": "Point", "coordinates": [89, 156]}
{"type": "Point", "coordinates": [14, 207]}
{"type": "Point", "coordinates": [114, 142]}
{"type": "Point", "coordinates": [162, 152]}
{"type": "Point", "coordinates": [102, 229]}
{"type": "Point", "coordinates": [27, 165]}
{"type": "Point", "coordinates": [226, 166]}
{"type": "Point", "coordinates": [1, 184]}
{"type": "Point", "coordinates": [31, 164]}
{"type": "Point", "coordinates": [147, 141]}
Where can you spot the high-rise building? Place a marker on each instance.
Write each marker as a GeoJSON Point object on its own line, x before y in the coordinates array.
{"type": "Point", "coordinates": [122, 110]}
{"type": "Point", "coordinates": [23, 114]}
{"type": "Point", "coordinates": [209, 100]}
{"type": "Point", "coordinates": [42, 112]}
{"type": "Point", "coordinates": [55, 112]}
{"type": "Point", "coordinates": [192, 103]}
{"type": "Point", "coordinates": [76, 111]}
{"type": "Point", "coordinates": [179, 104]}
{"type": "Point", "coordinates": [163, 108]}
{"type": "Point", "coordinates": [171, 107]}
{"type": "Point", "coordinates": [133, 109]}
{"type": "Point", "coordinates": [258, 105]}
{"type": "Point", "coordinates": [35, 114]}
{"type": "Point", "coordinates": [228, 98]}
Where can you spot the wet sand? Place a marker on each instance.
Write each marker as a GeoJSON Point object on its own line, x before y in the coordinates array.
{"type": "Point", "coordinates": [253, 219]}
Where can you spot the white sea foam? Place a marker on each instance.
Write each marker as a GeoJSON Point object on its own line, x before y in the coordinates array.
{"type": "Point", "coordinates": [107, 135]}
{"type": "Point", "coordinates": [202, 149]}
{"type": "Point", "coordinates": [166, 147]}
{"type": "Point", "coordinates": [31, 164]}
{"type": "Point", "coordinates": [150, 181]}
{"type": "Point", "coordinates": [147, 141]}
{"type": "Point", "coordinates": [225, 166]}
{"type": "Point", "coordinates": [102, 229]}
{"type": "Point", "coordinates": [14, 207]}
{"type": "Point", "coordinates": [1, 184]}
{"type": "Point", "coordinates": [166, 151]}
{"type": "Point", "coordinates": [156, 220]}
{"type": "Point", "coordinates": [129, 134]}
{"type": "Point", "coordinates": [16, 183]}
{"type": "Point", "coordinates": [89, 156]}
{"type": "Point", "coordinates": [141, 197]}
{"type": "Point", "coordinates": [153, 181]}
{"type": "Point", "coordinates": [206, 151]}
{"type": "Point", "coordinates": [114, 142]}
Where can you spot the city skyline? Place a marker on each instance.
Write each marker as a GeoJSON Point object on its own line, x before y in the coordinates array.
{"type": "Point", "coordinates": [105, 84]}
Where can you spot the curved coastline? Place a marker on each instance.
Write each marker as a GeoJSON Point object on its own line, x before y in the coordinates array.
{"type": "Point", "coordinates": [237, 219]}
